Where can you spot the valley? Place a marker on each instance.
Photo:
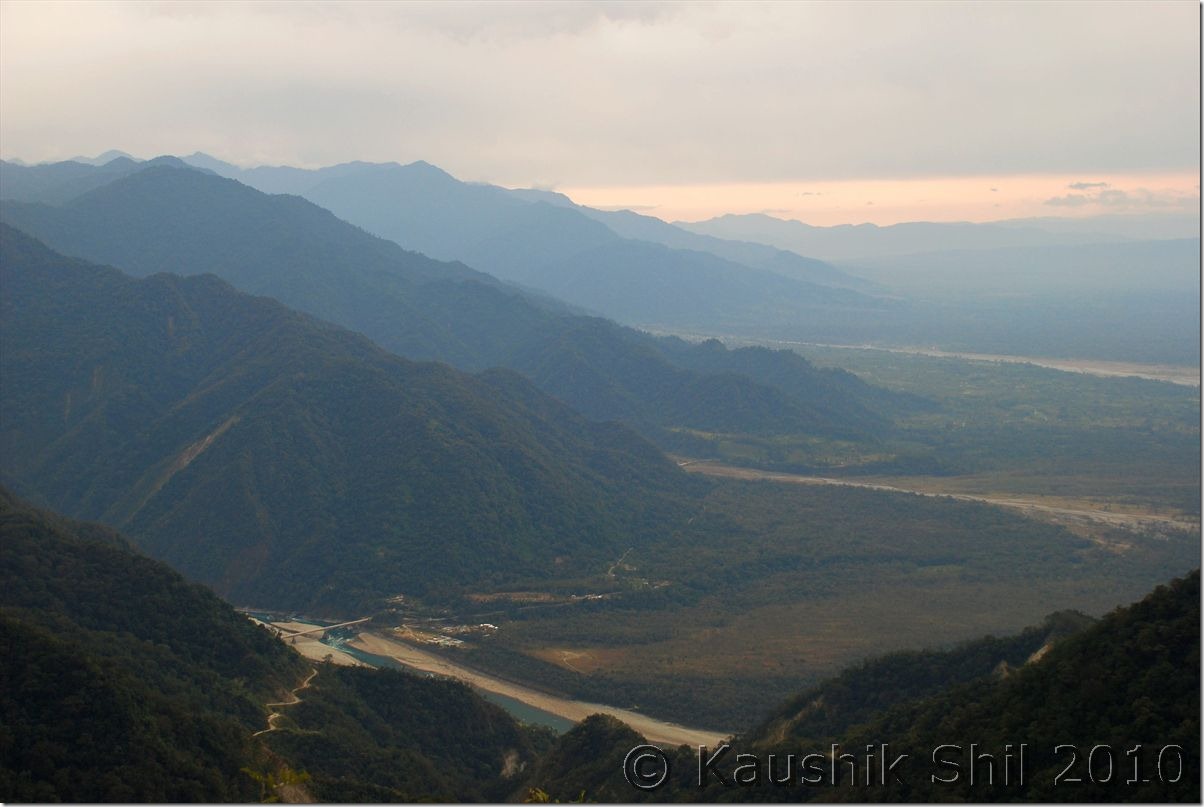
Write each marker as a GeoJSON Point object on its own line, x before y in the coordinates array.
{"type": "Point", "coordinates": [763, 589]}
{"type": "Point", "coordinates": [472, 402]}
{"type": "Point", "coordinates": [613, 574]}
{"type": "Point", "coordinates": [414, 658]}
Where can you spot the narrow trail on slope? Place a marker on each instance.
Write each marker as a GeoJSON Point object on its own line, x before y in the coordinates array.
{"type": "Point", "coordinates": [274, 716]}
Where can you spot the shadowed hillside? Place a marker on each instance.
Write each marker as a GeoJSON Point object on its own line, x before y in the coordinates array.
{"type": "Point", "coordinates": [142, 402]}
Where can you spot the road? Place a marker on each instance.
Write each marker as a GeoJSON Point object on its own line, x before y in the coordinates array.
{"type": "Point", "coordinates": [655, 731]}
{"type": "Point", "coordinates": [294, 700]}
{"type": "Point", "coordinates": [1029, 506]}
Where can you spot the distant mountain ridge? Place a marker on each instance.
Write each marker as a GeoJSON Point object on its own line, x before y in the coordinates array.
{"type": "Point", "coordinates": [638, 227]}
{"type": "Point", "coordinates": [683, 290]}
{"type": "Point", "coordinates": [106, 157]}
{"type": "Point", "coordinates": [56, 183]}
{"type": "Point", "coordinates": [1159, 266]}
{"type": "Point", "coordinates": [188, 222]}
{"type": "Point", "coordinates": [1096, 288]}
{"type": "Point", "coordinates": [566, 250]}
{"type": "Point", "coordinates": [625, 223]}
{"type": "Point", "coordinates": [849, 242]}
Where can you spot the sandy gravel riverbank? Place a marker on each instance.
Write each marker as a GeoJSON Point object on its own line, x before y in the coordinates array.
{"type": "Point", "coordinates": [311, 647]}
{"type": "Point", "coordinates": [656, 731]}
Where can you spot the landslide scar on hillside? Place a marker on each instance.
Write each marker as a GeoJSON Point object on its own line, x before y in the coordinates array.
{"type": "Point", "coordinates": [185, 458]}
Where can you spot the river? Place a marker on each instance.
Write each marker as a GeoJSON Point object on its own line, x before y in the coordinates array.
{"type": "Point", "coordinates": [522, 701]}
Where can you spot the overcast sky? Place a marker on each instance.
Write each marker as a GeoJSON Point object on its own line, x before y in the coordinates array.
{"type": "Point", "coordinates": [620, 99]}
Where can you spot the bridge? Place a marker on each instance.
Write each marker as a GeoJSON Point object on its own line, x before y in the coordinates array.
{"type": "Point", "coordinates": [285, 633]}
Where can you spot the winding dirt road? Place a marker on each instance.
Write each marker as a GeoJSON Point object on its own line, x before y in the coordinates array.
{"type": "Point", "coordinates": [274, 716]}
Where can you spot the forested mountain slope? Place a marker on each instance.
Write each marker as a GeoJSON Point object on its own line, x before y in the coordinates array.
{"type": "Point", "coordinates": [345, 473]}
{"type": "Point", "coordinates": [124, 682]}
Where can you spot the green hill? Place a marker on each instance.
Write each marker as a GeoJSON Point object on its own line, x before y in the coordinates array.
{"type": "Point", "coordinates": [1131, 680]}
{"type": "Point", "coordinates": [345, 474]}
{"type": "Point", "coordinates": [585, 763]}
{"type": "Point", "coordinates": [124, 682]}
{"type": "Point", "coordinates": [368, 735]}
{"type": "Point", "coordinates": [826, 712]}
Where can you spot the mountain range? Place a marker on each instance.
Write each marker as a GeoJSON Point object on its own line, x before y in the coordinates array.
{"type": "Point", "coordinates": [1023, 287]}
{"type": "Point", "coordinates": [300, 414]}
{"type": "Point", "coordinates": [852, 242]}
{"type": "Point", "coordinates": [964, 286]}
{"type": "Point", "coordinates": [1091, 270]}
{"type": "Point", "coordinates": [585, 258]}
{"type": "Point", "coordinates": [188, 222]}
{"type": "Point", "coordinates": [140, 403]}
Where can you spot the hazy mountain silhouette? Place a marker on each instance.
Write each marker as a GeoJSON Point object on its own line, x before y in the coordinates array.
{"type": "Point", "coordinates": [106, 158]}
{"type": "Point", "coordinates": [1138, 226]}
{"type": "Point", "coordinates": [638, 227]}
{"type": "Point", "coordinates": [55, 183]}
{"type": "Point", "coordinates": [848, 242]}
{"type": "Point", "coordinates": [571, 252]}
{"type": "Point", "coordinates": [183, 221]}
{"type": "Point", "coordinates": [1062, 270]}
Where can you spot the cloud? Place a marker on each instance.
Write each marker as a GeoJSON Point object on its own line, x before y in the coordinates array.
{"type": "Point", "coordinates": [809, 193]}
{"type": "Point", "coordinates": [466, 21]}
{"type": "Point", "coordinates": [1115, 198]}
{"type": "Point", "coordinates": [1086, 186]}
{"type": "Point", "coordinates": [595, 93]}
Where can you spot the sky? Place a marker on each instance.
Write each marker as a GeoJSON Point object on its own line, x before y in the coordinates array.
{"type": "Point", "coordinates": [826, 112]}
